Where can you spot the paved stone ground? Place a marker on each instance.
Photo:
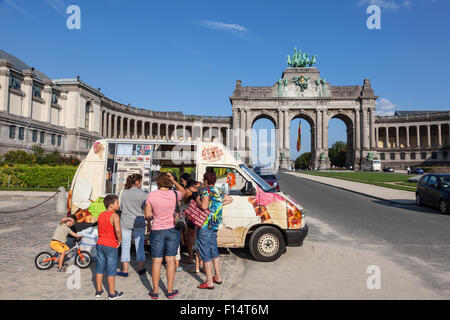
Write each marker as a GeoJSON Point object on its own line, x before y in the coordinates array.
{"type": "Point", "coordinates": [23, 235]}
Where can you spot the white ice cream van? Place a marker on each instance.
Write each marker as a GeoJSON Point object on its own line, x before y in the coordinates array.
{"type": "Point", "coordinates": [259, 217]}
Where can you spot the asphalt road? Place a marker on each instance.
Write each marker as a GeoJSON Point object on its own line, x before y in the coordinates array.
{"type": "Point", "coordinates": [417, 239]}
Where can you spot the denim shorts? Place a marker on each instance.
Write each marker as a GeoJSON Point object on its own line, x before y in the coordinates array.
{"type": "Point", "coordinates": [164, 242]}
{"type": "Point", "coordinates": [207, 244]}
{"type": "Point", "coordinates": [107, 259]}
{"type": "Point", "coordinates": [139, 235]}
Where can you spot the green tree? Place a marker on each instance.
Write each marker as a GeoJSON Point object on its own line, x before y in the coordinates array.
{"type": "Point", "coordinates": [303, 161]}
{"type": "Point", "coordinates": [337, 154]}
{"type": "Point", "coordinates": [38, 151]}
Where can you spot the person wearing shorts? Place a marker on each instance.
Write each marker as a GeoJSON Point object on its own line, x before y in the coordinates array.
{"type": "Point", "coordinates": [59, 240]}
{"type": "Point", "coordinates": [164, 238]}
{"type": "Point", "coordinates": [109, 240]}
{"type": "Point", "coordinates": [213, 199]}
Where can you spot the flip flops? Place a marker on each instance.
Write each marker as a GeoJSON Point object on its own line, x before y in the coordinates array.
{"type": "Point", "coordinates": [205, 285]}
{"type": "Point", "coordinates": [218, 282]}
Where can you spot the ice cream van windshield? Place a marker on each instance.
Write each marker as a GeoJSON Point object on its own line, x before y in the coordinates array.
{"type": "Point", "coordinates": [260, 181]}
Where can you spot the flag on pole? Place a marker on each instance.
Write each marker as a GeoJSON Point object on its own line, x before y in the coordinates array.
{"type": "Point", "coordinates": [299, 138]}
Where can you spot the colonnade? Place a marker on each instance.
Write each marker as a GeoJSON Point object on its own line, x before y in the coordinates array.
{"type": "Point", "coordinates": [413, 136]}
{"type": "Point", "coordinates": [122, 126]}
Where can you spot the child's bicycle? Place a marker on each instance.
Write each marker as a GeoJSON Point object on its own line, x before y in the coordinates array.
{"type": "Point", "coordinates": [46, 260]}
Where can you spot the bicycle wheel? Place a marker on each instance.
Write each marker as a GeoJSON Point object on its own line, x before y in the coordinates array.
{"type": "Point", "coordinates": [85, 262]}
{"type": "Point", "coordinates": [43, 262]}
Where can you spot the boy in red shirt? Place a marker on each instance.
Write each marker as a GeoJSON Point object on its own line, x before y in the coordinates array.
{"type": "Point", "coordinates": [109, 240]}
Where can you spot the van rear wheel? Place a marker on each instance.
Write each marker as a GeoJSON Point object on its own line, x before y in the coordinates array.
{"type": "Point", "coordinates": [266, 244]}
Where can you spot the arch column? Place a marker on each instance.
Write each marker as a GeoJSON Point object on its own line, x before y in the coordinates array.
{"type": "Point", "coordinates": [429, 135]}
{"type": "Point", "coordinates": [325, 131]}
{"type": "Point", "coordinates": [397, 137]}
{"type": "Point", "coordinates": [104, 124]}
{"type": "Point", "coordinates": [142, 129]}
{"type": "Point", "coordinates": [365, 130]}
{"type": "Point", "coordinates": [373, 143]}
{"type": "Point", "coordinates": [439, 135]}
{"type": "Point", "coordinates": [109, 125]}
{"type": "Point", "coordinates": [407, 137]}
{"type": "Point", "coordinates": [386, 138]}
{"type": "Point", "coordinates": [242, 130]}
{"type": "Point", "coordinates": [418, 135]}
{"type": "Point", "coordinates": [358, 130]}
{"type": "Point", "coordinates": [319, 130]}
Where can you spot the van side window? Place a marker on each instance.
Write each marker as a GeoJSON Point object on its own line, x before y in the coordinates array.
{"type": "Point", "coordinates": [230, 179]}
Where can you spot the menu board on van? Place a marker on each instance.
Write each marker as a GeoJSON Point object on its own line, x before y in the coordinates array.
{"type": "Point", "coordinates": [124, 149]}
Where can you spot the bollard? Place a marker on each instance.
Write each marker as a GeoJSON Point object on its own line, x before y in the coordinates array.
{"type": "Point", "coordinates": [61, 200]}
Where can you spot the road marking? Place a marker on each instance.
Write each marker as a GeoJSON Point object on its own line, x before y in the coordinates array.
{"type": "Point", "coordinates": [10, 229]}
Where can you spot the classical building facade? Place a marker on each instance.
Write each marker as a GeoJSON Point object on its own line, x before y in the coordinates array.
{"type": "Point", "coordinates": [69, 115]}
{"type": "Point", "coordinates": [405, 139]}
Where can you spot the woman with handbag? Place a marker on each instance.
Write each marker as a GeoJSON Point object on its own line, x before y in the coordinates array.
{"type": "Point", "coordinates": [164, 237]}
{"type": "Point", "coordinates": [212, 199]}
{"type": "Point", "coordinates": [191, 187]}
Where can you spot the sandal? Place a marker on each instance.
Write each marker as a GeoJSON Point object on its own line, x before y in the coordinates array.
{"type": "Point", "coordinates": [205, 285]}
{"type": "Point", "coordinates": [218, 282]}
{"type": "Point", "coordinates": [154, 296]}
{"type": "Point", "coordinates": [172, 294]}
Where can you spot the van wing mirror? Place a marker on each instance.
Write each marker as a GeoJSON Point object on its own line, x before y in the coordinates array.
{"type": "Point", "coordinates": [249, 189]}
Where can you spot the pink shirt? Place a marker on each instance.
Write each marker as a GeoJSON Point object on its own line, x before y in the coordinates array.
{"type": "Point", "coordinates": [163, 206]}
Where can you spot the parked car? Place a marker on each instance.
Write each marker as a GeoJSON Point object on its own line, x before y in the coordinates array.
{"type": "Point", "coordinates": [417, 171]}
{"type": "Point", "coordinates": [434, 190]}
{"type": "Point", "coordinates": [272, 180]}
{"type": "Point", "coordinates": [388, 169]}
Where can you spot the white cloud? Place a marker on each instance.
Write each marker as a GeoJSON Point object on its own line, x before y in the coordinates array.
{"type": "Point", "coordinates": [385, 107]}
{"type": "Point", "coordinates": [216, 25]}
{"type": "Point", "coordinates": [390, 5]}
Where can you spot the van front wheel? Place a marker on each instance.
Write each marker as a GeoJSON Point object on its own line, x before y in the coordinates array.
{"type": "Point", "coordinates": [266, 244]}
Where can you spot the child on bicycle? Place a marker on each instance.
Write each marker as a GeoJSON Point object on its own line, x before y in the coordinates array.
{"type": "Point", "coordinates": [59, 240]}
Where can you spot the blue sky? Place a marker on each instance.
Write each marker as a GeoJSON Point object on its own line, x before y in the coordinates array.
{"type": "Point", "coordinates": [187, 55]}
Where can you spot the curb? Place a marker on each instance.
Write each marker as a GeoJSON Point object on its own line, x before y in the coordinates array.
{"type": "Point", "coordinates": [392, 202]}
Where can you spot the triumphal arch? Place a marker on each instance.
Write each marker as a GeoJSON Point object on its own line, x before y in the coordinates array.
{"type": "Point", "coordinates": [302, 93]}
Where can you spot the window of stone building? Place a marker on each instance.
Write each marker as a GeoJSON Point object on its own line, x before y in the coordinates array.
{"type": "Point", "coordinates": [54, 98]}
{"type": "Point", "coordinates": [392, 156]}
{"type": "Point", "coordinates": [382, 156]}
{"type": "Point", "coordinates": [34, 136]}
{"type": "Point", "coordinates": [402, 156]}
{"type": "Point", "coordinates": [445, 154]}
{"type": "Point", "coordinates": [413, 156]}
{"type": "Point", "coordinates": [37, 92]}
{"type": "Point", "coordinates": [12, 132]}
{"type": "Point", "coordinates": [42, 137]}
{"type": "Point", "coordinates": [14, 83]}
{"type": "Point", "coordinates": [21, 133]}
{"type": "Point", "coordinates": [423, 155]}
{"type": "Point", "coordinates": [59, 141]}
{"type": "Point", "coordinates": [434, 155]}
{"type": "Point", "coordinates": [53, 139]}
